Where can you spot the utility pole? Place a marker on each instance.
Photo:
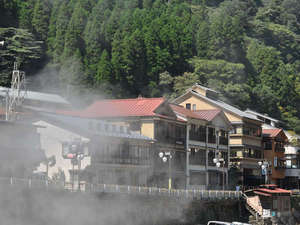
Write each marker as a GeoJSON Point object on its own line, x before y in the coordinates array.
{"type": "Point", "coordinates": [15, 96]}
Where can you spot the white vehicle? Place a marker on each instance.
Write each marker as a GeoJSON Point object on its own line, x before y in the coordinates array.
{"type": "Point", "coordinates": [218, 222]}
{"type": "Point", "coordinates": [225, 223]}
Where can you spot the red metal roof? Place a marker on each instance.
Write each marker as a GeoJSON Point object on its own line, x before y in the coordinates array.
{"type": "Point", "coordinates": [274, 191]}
{"type": "Point", "coordinates": [119, 108]}
{"type": "Point", "coordinates": [262, 193]}
{"type": "Point", "coordinates": [178, 109]}
{"type": "Point", "coordinates": [271, 132]}
{"type": "Point", "coordinates": [208, 115]}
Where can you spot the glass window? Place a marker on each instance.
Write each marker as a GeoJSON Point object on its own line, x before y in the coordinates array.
{"type": "Point", "coordinates": [194, 106]}
{"type": "Point", "coordinates": [188, 105]}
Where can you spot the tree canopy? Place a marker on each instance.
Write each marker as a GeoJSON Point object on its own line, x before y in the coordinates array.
{"type": "Point", "coordinates": [246, 49]}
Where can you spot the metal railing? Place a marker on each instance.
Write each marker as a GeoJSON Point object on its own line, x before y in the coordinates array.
{"type": "Point", "coordinates": [122, 189]}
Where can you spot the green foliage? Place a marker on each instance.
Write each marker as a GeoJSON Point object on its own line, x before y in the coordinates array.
{"type": "Point", "coordinates": [20, 46]}
{"type": "Point", "coordinates": [248, 50]}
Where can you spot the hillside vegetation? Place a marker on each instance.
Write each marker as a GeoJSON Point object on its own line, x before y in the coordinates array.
{"type": "Point", "coordinates": [246, 49]}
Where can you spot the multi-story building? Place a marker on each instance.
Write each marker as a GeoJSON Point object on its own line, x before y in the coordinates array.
{"type": "Point", "coordinates": [94, 151]}
{"type": "Point", "coordinates": [274, 141]}
{"type": "Point", "coordinates": [292, 155]}
{"type": "Point", "coordinates": [206, 138]}
{"type": "Point", "coordinates": [292, 147]}
{"type": "Point", "coordinates": [245, 138]}
{"type": "Point", "coordinates": [153, 118]}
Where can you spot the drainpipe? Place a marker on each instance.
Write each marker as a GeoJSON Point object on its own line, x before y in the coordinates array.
{"type": "Point", "coordinates": [206, 157]}
{"type": "Point", "coordinates": [187, 156]}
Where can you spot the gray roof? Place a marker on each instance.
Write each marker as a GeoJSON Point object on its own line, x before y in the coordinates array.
{"type": "Point", "coordinates": [262, 115]}
{"type": "Point", "coordinates": [37, 96]}
{"type": "Point", "coordinates": [204, 88]}
{"type": "Point", "coordinates": [227, 107]}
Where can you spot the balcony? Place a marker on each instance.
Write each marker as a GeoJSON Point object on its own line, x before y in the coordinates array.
{"type": "Point", "coordinates": [223, 140]}
{"type": "Point", "coordinates": [197, 137]}
{"type": "Point", "coordinates": [171, 140]}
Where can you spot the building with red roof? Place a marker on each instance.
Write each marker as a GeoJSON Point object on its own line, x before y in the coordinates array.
{"type": "Point", "coordinates": [207, 138]}
{"type": "Point", "coordinates": [151, 117]}
{"type": "Point", "coordinates": [175, 129]}
{"type": "Point", "coordinates": [269, 201]}
{"type": "Point", "coordinates": [274, 141]}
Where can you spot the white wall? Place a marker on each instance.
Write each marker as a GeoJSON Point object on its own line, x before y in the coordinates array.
{"type": "Point", "coordinates": [51, 142]}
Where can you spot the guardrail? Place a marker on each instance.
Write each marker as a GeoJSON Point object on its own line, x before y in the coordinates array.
{"type": "Point", "coordinates": [179, 193]}
{"type": "Point", "coordinates": [123, 189]}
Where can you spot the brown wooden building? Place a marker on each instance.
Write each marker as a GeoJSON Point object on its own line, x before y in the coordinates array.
{"type": "Point", "coordinates": [274, 141]}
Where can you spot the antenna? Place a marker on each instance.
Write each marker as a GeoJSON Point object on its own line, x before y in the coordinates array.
{"type": "Point", "coordinates": [15, 96]}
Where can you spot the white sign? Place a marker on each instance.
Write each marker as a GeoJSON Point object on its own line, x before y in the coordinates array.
{"type": "Point", "coordinates": [266, 213]}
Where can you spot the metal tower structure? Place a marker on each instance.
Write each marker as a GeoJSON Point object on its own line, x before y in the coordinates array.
{"type": "Point", "coordinates": [15, 95]}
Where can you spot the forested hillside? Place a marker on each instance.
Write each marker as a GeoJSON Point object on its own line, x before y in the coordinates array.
{"type": "Point", "coordinates": [246, 49]}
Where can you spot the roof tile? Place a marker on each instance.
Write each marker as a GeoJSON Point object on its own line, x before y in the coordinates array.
{"type": "Point", "coordinates": [208, 115]}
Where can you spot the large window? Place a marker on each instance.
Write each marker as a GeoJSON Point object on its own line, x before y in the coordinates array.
{"type": "Point", "coordinates": [198, 133]}
{"type": "Point", "coordinates": [223, 137]}
{"type": "Point", "coordinates": [169, 132]}
{"type": "Point", "coordinates": [198, 157]}
{"type": "Point", "coordinates": [211, 135]}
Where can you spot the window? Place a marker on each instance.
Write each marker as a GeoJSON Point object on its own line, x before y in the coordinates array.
{"type": "Point", "coordinates": [268, 145]}
{"type": "Point", "coordinates": [188, 105]}
{"type": "Point", "coordinates": [194, 106]}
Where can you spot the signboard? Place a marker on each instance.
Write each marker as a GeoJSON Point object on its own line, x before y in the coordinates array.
{"type": "Point", "coordinates": [266, 213]}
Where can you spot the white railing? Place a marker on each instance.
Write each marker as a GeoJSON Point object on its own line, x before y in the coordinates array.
{"type": "Point", "coordinates": [123, 189]}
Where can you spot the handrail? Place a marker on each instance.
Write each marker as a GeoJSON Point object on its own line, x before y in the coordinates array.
{"type": "Point", "coordinates": [124, 189]}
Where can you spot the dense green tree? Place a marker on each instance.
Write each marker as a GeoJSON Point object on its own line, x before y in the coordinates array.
{"type": "Point", "coordinates": [104, 69]}
{"type": "Point", "coordinates": [248, 50]}
{"type": "Point", "coordinates": [20, 46]}
{"type": "Point", "coordinates": [41, 17]}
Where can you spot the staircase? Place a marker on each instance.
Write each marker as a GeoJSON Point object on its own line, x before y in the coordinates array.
{"type": "Point", "coordinates": [253, 205]}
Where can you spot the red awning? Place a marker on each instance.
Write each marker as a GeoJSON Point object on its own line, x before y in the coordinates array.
{"type": "Point", "coordinates": [262, 193]}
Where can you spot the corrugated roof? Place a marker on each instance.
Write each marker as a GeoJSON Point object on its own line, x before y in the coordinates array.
{"type": "Point", "coordinates": [119, 108]}
{"type": "Point", "coordinates": [180, 110]}
{"type": "Point", "coordinates": [262, 115]}
{"type": "Point", "coordinates": [274, 191]}
{"type": "Point", "coordinates": [208, 115]}
{"type": "Point", "coordinates": [227, 107]}
{"type": "Point", "coordinates": [37, 96]}
{"type": "Point", "coordinates": [271, 132]}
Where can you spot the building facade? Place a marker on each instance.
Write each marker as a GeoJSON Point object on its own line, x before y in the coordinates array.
{"type": "Point", "coordinates": [207, 138]}
{"type": "Point", "coordinates": [274, 141]}
{"type": "Point", "coordinates": [245, 138]}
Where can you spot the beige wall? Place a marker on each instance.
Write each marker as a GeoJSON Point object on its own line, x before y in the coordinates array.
{"type": "Point", "coordinates": [200, 104]}
{"type": "Point", "coordinates": [235, 141]}
{"type": "Point", "coordinates": [199, 90]}
{"type": "Point", "coordinates": [147, 129]}
{"type": "Point", "coordinates": [232, 118]}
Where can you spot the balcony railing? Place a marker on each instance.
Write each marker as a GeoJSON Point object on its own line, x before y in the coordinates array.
{"type": "Point", "coordinates": [118, 160]}
{"type": "Point", "coordinates": [197, 137]}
